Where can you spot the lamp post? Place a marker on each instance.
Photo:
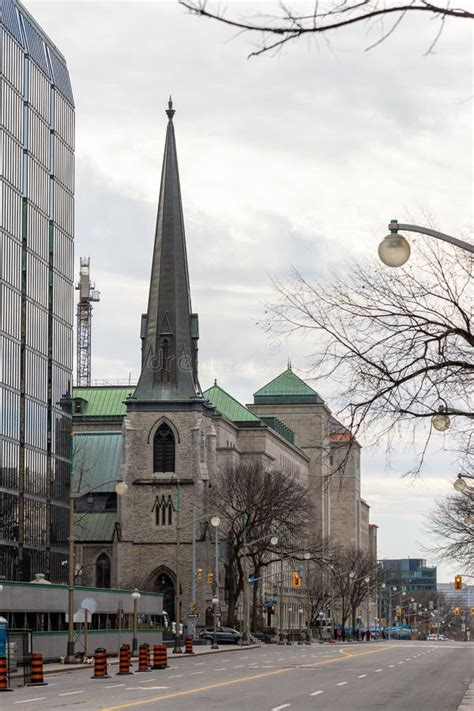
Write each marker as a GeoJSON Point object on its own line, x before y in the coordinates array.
{"type": "Point", "coordinates": [245, 545]}
{"type": "Point", "coordinates": [215, 522]}
{"type": "Point", "coordinates": [290, 611]}
{"type": "Point", "coordinates": [120, 489]}
{"type": "Point", "coordinates": [135, 597]}
{"type": "Point", "coordinates": [367, 580]}
{"type": "Point", "coordinates": [394, 250]}
{"type": "Point", "coordinates": [280, 602]}
{"type": "Point", "coordinates": [300, 619]}
{"type": "Point", "coordinates": [307, 557]}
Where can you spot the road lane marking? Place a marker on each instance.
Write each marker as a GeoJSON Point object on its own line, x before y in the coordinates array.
{"type": "Point", "coordinates": [145, 688]}
{"type": "Point", "coordinates": [361, 676]}
{"type": "Point", "coordinates": [341, 683]}
{"type": "Point", "coordinates": [400, 662]}
{"type": "Point", "coordinates": [391, 665]}
{"type": "Point", "coordinates": [175, 676]}
{"type": "Point", "coordinates": [279, 708]}
{"type": "Point", "coordinates": [238, 666]}
{"type": "Point", "coordinates": [28, 701]}
{"type": "Point", "coordinates": [194, 673]}
{"type": "Point", "coordinates": [198, 664]}
{"type": "Point", "coordinates": [220, 669]}
{"type": "Point", "coordinates": [378, 670]}
{"type": "Point", "coordinates": [71, 693]}
{"type": "Point", "coordinates": [315, 693]}
{"type": "Point", "coordinates": [113, 686]}
{"type": "Point", "coordinates": [233, 682]}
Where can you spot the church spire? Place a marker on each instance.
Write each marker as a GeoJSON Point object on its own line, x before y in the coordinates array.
{"type": "Point", "coordinates": [169, 329]}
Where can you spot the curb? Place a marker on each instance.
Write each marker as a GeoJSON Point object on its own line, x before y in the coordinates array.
{"type": "Point", "coordinates": [114, 662]}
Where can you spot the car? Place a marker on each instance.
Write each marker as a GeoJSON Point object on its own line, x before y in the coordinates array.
{"type": "Point", "coordinates": [225, 635]}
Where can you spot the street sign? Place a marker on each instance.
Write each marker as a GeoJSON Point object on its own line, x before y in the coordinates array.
{"type": "Point", "coordinates": [270, 602]}
{"type": "Point", "coordinates": [194, 616]}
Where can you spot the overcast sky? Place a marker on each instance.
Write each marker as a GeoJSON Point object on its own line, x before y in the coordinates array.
{"type": "Point", "coordinates": [299, 159]}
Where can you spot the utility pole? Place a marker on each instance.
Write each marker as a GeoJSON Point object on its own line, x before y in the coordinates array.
{"type": "Point", "coordinates": [87, 295]}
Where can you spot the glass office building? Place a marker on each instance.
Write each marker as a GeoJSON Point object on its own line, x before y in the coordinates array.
{"type": "Point", "coordinates": [36, 298]}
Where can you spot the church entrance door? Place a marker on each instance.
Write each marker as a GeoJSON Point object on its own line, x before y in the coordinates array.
{"type": "Point", "coordinates": [165, 585]}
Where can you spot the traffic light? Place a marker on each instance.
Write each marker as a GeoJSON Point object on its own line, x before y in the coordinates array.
{"type": "Point", "coordinates": [199, 573]}
{"type": "Point", "coordinates": [458, 582]}
{"type": "Point", "coordinates": [295, 579]}
{"type": "Point", "coordinates": [472, 610]}
{"type": "Point", "coordinates": [457, 611]}
{"type": "Point", "coordinates": [210, 578]}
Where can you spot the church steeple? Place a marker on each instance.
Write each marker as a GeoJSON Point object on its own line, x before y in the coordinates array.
{"type": "Point", "coordinates": [169, 329]}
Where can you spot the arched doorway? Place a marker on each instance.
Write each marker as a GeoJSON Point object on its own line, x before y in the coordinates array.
{"type": "Point", "coordinates": [165, 585]}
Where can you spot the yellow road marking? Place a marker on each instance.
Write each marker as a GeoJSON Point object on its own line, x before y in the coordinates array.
{"type": "Point", "coordinates": [231, 682]}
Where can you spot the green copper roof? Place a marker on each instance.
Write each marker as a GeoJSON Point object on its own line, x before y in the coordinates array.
{"type": "Point", "coordinates": [228, 406]}
{"type": "Point", "coordinates": [287, 388]}
{"type": "Point", "coordinates": [103, 401]}
{"type": "Point", "coordinates": [97, 457]}
{"type": "Point", "coordinates": [94, 525]}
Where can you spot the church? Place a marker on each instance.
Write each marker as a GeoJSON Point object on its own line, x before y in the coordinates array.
{"type": "Point", "coordinates": [166, 439]}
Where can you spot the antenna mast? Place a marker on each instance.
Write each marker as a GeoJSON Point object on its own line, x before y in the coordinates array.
{"type": "Point", "coordinates": [87, 295]}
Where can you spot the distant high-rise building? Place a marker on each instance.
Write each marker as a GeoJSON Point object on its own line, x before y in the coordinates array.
{"type": "Point", "coordinates": [36, 297]}
{"type": "Point", "coordinates": [408, 574]}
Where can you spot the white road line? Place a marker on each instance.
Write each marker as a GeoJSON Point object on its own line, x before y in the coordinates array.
{"type": "Point", "coordinates": [238, 666]}
{"type": "Point", "coordinates": [71, 693]}
{"type": "Point", "coordinates": [408, 659]}
{"type": "Point", "coordinates": [361, 676]}
{"type": "Point", "coordinates": [193, 673]}
{"type": "Point", "coordinates": [378, 670]}
{"type": "Point", "coordinates": [27, 701]}
{"type": "Point", "coordinates": [175, 676]}
{"type": "Point", "coordinates": [148, 681]}
{"type": "Point", "coordinates": [244, 657]}
{"type": "Point", "coordinates": [278, 708]}
{"type": "Point", "coordinates": [145, 688]}
{"type": "Point", "coordinates": [341, 683]}
{"type": "Point", "coordinates": [400, 662]}
{"type": "Point", "coordinates": [197, 664]}
{"type": "Point", "coordinates": [391, 665]}
{"type": "Point", "coordinates": [113, 686]}
{"type": "Point", "coordinates": [315, 693]}
{"type": "Point", "coordinates": [282, 659]}
{"type": "Point", "coordinates": [220, 669]}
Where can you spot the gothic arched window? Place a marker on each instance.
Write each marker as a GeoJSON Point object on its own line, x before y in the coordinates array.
{"type": "Point", "coordinates": [163, 508]}
{"type": "Point", "coordinates": [102, 571]}
{"type": "Point", "coordinates": [164, 449]}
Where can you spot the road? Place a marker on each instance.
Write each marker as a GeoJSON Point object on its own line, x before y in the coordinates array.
{"type": "Point", "coordinates": [389, 675]}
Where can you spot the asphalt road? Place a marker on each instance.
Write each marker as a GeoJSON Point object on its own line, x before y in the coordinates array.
{"type": "Point", "coordinates": [413, 676]}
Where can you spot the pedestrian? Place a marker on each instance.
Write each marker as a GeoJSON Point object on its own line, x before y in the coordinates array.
{"type": "Point", "coordinates": [363, 635]}
{"type": "Point", "coordinates": [368, 635]}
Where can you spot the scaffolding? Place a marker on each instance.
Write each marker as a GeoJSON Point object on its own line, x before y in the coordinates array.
{"type": "Point", "coordinates": [87, 295]}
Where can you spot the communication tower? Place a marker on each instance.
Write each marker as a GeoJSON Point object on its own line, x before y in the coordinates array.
{"type": "Point", "coordinates": [87, 295]}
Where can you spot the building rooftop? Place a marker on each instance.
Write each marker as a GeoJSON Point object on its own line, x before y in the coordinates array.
{"type": "Point", "coordinates": [228, 405]}
{"type": "Point", "coordinates": [103, 401]}
{"type": "Point", "coordinates": [94, 526]}
{"type": "Point", "coordinates": [97, 457]}
{"type": "Point", "coordinates": [287, 388]}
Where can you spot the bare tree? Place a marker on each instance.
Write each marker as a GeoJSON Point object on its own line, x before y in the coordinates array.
{"type": "Point", "coordinates": [326, 16]}
{"type": "Point", "coordinates": [401, 340]}
{"type": "Point", "coordinates": [452, 525]}
{"type": "Point", "coordinates": [353, 574]}
{"type": "Point", "coordinates": [262, 502]}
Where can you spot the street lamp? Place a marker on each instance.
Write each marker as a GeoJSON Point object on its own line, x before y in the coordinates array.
{"type": "Point", "coordinates": [135, 595]}
{"type": "Point", "coordinates": [215, 523]}
{"type": "Point", "coordinates": [460, 485]}
{"type": "Point", "coordinates": [440, 420]}
{"type": "Point", "coordinates": [307, 557]}
{"type": "Point", "coordinates": [121, 488]}
{"type": "Point", "coordinates": [394, 250]}
{"type": "Point", "coordinates": [300, 618]}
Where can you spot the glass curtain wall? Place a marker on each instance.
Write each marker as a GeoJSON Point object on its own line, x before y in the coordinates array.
{"type": "Point", "coordinates": [36, 298]}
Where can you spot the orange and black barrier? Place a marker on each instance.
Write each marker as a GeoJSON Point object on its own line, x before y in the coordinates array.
{"type": "Point", "coordinates": [143, 658]}
{"type": "Point", "coordinates": [124, 660]}
{"type": "Point", "coordinates": [100, 664]}
{"type": "Point", "coordinates": [4, 675]}
{"type": "Point", "coordinates": [37, 678]}
{"type": "Point", "coordinates": [160, 657]}
{"type": "Point", "coordinates": [188, 645]}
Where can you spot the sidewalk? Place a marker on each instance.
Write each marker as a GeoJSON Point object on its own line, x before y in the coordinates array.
{"type": "Point", "coordinates": [467, 701]}
{"type": "Point", "coordinates": [199, 650]}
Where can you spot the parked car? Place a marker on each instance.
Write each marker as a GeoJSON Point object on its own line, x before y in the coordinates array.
{"type": "Point", "coordinates": [225, 635]}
